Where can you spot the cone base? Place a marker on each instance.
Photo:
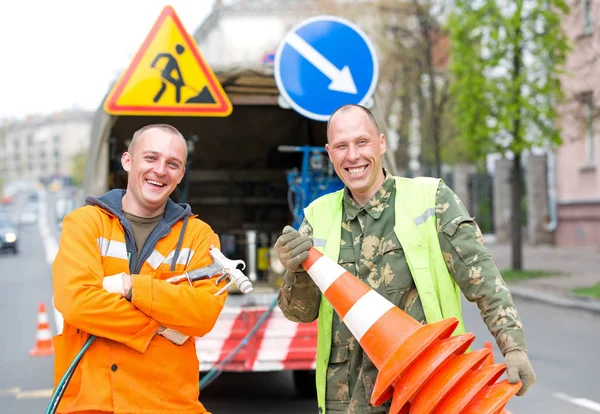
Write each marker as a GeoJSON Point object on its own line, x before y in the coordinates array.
{"type": "Point", "coordinates": [471, 384]}
{"type": "Point", "coordinates": [425, 367]}
{"type": "Point", "coordinates": [41, 352]}
{"type": "Point", "coordinates": [399, 360]}
{"type": "Point", "coordinates": [446, 378]}
{"type": "Point", "coordinates": [492, 399]}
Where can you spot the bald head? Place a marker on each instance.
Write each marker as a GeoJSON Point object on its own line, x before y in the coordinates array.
{"type": "Point", "coordinates": [351, 110]}
{"type": "Point", "coordinates": [166, 128]}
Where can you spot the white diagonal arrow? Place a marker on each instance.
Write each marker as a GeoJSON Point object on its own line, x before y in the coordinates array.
{"type": "Point", "coordinates": [341, 80]}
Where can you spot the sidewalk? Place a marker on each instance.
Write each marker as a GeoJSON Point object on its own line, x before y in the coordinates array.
{"type": "Point", "coordinates": [578, 266]}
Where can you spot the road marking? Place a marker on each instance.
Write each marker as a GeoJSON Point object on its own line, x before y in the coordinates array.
{"type": "Point", "coordinates": [30, 394]}
{"type": "Point", "coordinates": [19, 394]}
{"type": "Point", "coordinates": [9, 391]}
{"type": "Point", "coordinates": [582, 402]}
{"type": "Point", "coordinates": [50, 245]}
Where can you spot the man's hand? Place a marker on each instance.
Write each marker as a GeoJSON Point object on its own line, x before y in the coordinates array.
{"type": "Point", "coordinates": [119, 283]}
{"type": "Point", "coordinates": [172, 335]}
{"type": "Point", "coordinates": [518, 368]}
{"type": "Point", "coordinates": [114, 284]}
{"type": "Point", "coordinates": [292, 249]}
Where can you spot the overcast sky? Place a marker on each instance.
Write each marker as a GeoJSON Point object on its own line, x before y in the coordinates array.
{"type": "Point", "coordinates": [61, 54]}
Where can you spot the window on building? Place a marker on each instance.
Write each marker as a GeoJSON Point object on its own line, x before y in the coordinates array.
{"type": "Point", "coordinates": [590, 136]}
{"type": "Point", "coordinates": [588, 20]}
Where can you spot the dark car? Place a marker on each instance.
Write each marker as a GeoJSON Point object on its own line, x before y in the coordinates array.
{"type": "Point", "coordinates": [9, 236]}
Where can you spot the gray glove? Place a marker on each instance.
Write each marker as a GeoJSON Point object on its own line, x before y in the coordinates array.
{"type": "Point", "coordinates": [518, 368]}
{"type": "Point", "coordinates": [292, 249]}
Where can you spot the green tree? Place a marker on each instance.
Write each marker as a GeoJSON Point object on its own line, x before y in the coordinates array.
{"type": "Point", "coordinates": [506, 59]}
{"type": "Point", "coordinates": [78, 168]}
{"type": "Point", "coordinates": [416, 55]}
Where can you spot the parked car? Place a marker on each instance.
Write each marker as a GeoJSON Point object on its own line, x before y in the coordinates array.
{"type": "Point", "coordinates": [8, 236]}
{"type": "Point", "coordinates": [29, 215]}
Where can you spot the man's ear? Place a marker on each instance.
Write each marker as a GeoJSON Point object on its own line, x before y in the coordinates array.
{"type": "Point", "coordinates": [181, 177]}
{"type": "Point", "coordinates": [382, 144]}
{"type": "Point", "coordinates": [327, 148]}
{"type": "Point", "coordinates": [126, 161]}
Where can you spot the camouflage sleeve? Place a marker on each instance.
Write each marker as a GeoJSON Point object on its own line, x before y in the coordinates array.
{"type": "Point", "coordinates": [299, 297]}
{"type": "Point", "coordinates": [471, 265]}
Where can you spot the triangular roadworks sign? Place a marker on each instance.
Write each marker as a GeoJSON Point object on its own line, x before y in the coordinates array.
{"type": "Point", "coordinates": [168, 76]}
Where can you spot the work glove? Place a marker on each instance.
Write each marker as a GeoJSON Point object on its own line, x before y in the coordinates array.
{"type": "Point", "coordinates": [518, 368]}
{"type": "Point", "coordinates": [292, 249]}
{"type": "Point", "coordinates": [114, 284]}
{"type": "Point", "coordinates": [172, 335]}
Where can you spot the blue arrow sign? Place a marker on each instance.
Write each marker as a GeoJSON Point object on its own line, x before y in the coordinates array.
{"type": "Point", "coordinates": [323, 63]}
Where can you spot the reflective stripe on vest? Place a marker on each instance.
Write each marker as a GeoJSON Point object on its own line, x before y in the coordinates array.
{"type": "Point", "coordinates": [112, 248]}
{"type": "Point", "coordinates": [118, 250]}
{"type": "Point", "coordinates": [156, 258]}
{"type": "Point", "coordinates": [416, 229]}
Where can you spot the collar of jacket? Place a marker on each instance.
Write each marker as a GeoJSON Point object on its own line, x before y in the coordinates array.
{"type": "Point", "coordinates": [111, 203]}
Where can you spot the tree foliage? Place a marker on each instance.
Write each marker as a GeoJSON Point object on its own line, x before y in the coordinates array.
{"type": "Point", "coordinates": [414, 47]}
{"type": "Point", "coordinates": [506, 59]}
{"type": "Point", "coordinates": [78, 168]}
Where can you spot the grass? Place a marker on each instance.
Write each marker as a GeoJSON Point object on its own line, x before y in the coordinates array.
{"type": "Point", "coordinates": [510, 275]}
{"type": "Point", "coordinates": [591, 291]}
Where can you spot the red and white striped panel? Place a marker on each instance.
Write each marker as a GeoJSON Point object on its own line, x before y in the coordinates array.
{"type": "Point", "coordinates": [279, 344]}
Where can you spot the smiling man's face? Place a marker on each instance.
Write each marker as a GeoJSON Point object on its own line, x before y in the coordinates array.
{"type": "Point", "coordinates": [355, 148]}
{"type": "Point", "coordinates": [155, 165]}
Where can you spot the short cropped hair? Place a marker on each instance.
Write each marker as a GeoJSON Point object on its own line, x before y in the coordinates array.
{"type": "Point", "coordinates": [362, 108]}
{"type": "Point", "coordinates": [162, 127]}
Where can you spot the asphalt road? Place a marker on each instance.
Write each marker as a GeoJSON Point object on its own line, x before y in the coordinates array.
{"type": "Point", "coordinates": [563, 347]}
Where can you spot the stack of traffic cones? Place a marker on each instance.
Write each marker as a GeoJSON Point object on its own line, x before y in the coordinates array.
{"type": "Point", "coordinates": [421, 367]}
{"type": "Point", "coordinates": [43, 337]}
{"type": "Point", "coordinates": [490, 361]}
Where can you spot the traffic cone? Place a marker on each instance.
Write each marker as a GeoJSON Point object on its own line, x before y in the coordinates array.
{"type": "Point", "coordinates": [43, 337]}
{"type": "Point", "coordinates": [490, 361]}
{"type": "Point", "coordinates": [419, 365]}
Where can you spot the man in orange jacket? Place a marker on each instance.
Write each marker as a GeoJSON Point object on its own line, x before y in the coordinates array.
{"type": "Point", "coordinates": [109, 281]}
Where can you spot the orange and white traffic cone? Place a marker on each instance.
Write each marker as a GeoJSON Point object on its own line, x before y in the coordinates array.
{"type": "Point", "coordinates": [490, 361]}
{"type": "Point", "coordinates": [419, 365]}
{"type": "Point", "coordinates": [43, 337]}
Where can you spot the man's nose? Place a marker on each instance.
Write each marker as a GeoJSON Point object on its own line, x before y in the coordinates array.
{"type": "Point", "coordinates": [353, 153]}
{"type": "Point", "coordinates": [160, 167]}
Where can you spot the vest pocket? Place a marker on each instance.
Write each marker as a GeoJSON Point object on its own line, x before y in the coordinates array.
{"type": "Point", "coordinates": [394, 267]}
{"type": "Point", "coordinates": [461, 233]}
{"type": "Point", "coordinates": [337, 389]}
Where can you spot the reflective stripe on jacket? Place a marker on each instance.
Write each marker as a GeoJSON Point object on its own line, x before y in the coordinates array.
{"type": "Point", "coordinates": [129, 369]}
{"type": "Point", "coordinates": [416, 229]}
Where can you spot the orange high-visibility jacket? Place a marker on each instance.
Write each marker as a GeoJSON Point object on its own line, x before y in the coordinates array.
{"type": "Point", "coordinates": [129, 368]}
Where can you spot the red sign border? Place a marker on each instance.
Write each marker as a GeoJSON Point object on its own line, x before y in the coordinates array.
{"type": "Point", "coordinates": [224, 107]}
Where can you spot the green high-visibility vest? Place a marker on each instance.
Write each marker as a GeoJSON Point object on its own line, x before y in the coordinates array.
{"type": "Point", "coordinates": [416, 229]}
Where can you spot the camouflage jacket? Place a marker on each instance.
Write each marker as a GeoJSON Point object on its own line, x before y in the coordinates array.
{"type": "Point", "coordinates": [371, 251]}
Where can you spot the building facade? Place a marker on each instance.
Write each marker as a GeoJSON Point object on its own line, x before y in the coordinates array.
{"type": "Point", "coordinates": [38, 148]}
{"type": "Point", "coordinates": [578, 159]}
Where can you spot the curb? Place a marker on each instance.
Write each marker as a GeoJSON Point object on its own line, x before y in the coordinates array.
{"type": "Point", "coordinates": [582, 304]}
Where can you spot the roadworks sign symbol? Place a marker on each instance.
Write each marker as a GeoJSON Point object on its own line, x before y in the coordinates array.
{"type": "Point", "coordinates": [168, 76]}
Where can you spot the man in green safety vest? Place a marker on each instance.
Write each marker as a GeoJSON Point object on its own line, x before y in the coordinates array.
{"type": "Point", "coordinates": [411, 240]}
